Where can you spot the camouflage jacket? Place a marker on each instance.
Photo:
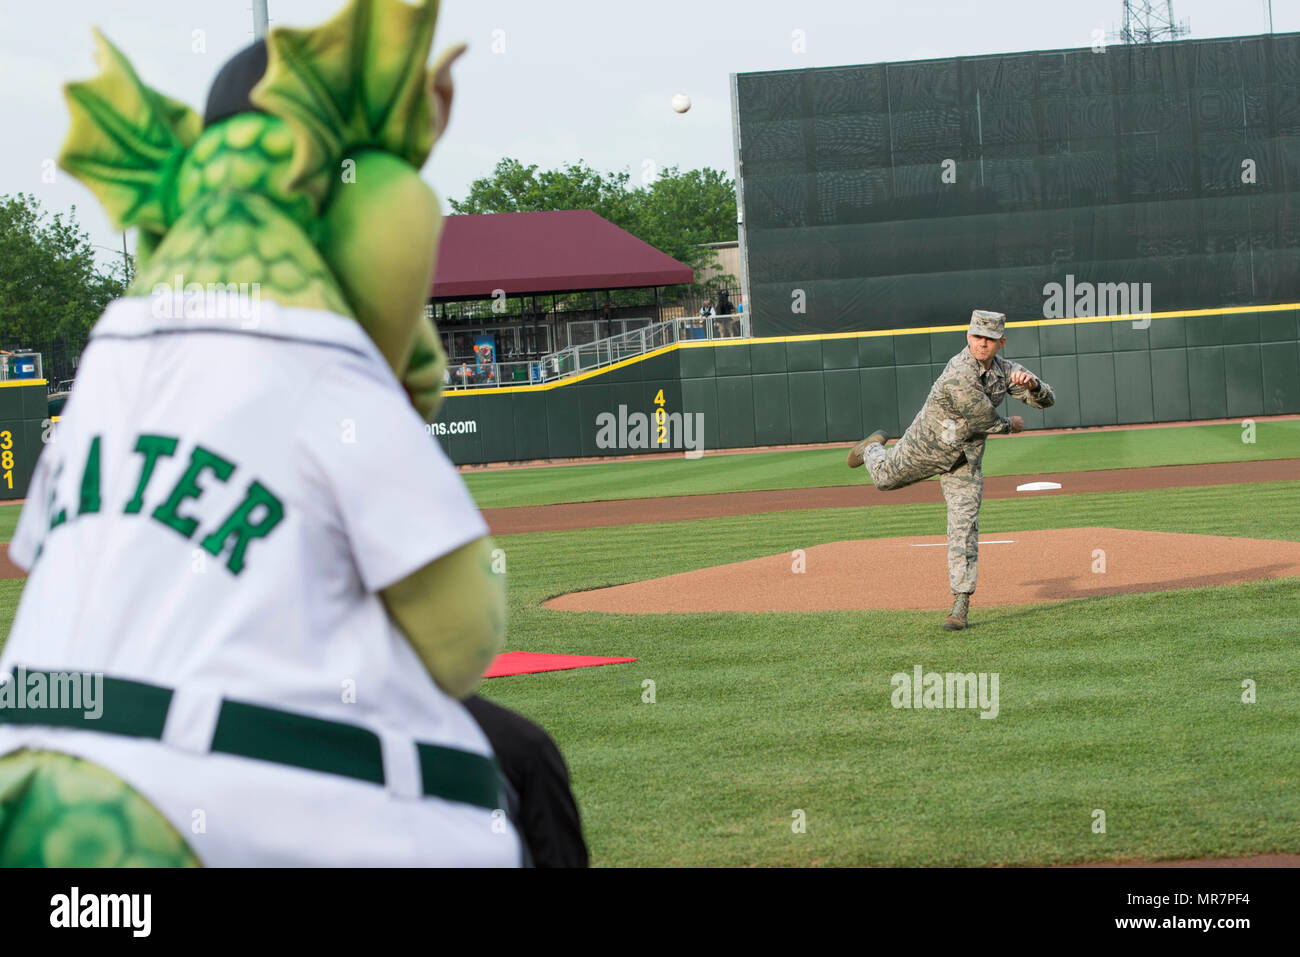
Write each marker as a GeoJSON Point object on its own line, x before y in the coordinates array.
{"type": "Point", "coordinates": [961, 409]}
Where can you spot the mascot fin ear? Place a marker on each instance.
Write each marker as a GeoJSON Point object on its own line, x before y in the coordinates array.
{"type": "Point", "coordinates": [355, 82]}
{"type": "Point", "coordinates": [440, 87]}
{"type": "Point", "coordinates": [127, 142]}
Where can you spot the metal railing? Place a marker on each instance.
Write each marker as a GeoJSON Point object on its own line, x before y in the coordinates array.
{"type": "Point", "coordinates": [590, 356]}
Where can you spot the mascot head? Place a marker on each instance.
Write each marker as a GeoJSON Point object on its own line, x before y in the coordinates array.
{"type": "Point", "coordinates": [301, 177]}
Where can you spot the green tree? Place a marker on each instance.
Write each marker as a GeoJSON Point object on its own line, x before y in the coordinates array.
{"type": "Point", "coordinates": [675, 213]}
{"type": "Point", "coordinates": [50, 286]}
{"type": "Point", "coordinates": [679, 211]}
{"type": "Point", "coordinates": [516, 188]}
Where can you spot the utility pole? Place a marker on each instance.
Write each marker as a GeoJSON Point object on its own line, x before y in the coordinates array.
{"type": "Point", "coordinates": [126, 258]}
{"type": "Point", "coordinates": [259, 19]}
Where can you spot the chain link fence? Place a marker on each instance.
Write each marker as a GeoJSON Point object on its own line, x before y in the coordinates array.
{"type": "Point", "coordinates": [59, 356]}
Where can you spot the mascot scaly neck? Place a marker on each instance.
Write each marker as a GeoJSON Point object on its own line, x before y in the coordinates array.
{"type": "Point", "coordinates": [240, 225]}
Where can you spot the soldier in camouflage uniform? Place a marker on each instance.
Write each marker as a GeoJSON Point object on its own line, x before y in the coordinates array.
{"type": "Point", "coordinates": [947, 439]}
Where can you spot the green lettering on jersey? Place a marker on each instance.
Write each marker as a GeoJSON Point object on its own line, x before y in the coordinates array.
{"type": "Point", "coordinates": [188, 487]}
{"type": "Point", "coordinates": [61, 516]}
{"type": "Point", "coordinates": [150, 446]}
{"type": "Point", "coordinates": [90, 480]}
{"type": "Point", "coordinates": [244, 530]}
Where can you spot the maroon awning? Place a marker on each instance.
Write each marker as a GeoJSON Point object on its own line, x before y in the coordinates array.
{"type": "Point", "coordinates": [571, 250]}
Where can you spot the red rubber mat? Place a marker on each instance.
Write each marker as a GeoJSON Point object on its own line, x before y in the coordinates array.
{"type": "Point", "coordinates": [532, 662]}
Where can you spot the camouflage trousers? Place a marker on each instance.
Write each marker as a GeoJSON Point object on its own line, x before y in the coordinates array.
{"type": "Point", "coordinates": [57, 810]}
{"type": "Point", "coordinates": [963, 490]}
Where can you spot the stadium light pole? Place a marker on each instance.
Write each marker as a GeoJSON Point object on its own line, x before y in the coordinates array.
{"type": "Point", "coordinates": [259, 20]}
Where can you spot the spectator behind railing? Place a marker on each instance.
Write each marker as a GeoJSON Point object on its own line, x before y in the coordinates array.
{"type": "Point", "coordinates": [728, 309]}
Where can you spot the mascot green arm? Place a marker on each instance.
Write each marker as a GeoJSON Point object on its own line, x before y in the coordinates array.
{"type": "Point", "coordinates": [424, 374]}
{"type": "Point", "coordinates": [453, 613]}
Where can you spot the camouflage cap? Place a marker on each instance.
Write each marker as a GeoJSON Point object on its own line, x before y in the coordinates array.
{"type": "Point", "coordinates": [990, 325]}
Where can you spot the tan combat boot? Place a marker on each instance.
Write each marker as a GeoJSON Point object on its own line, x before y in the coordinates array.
{"type": "Point", "coordinates": [857, 454]}
{"type": "Point", "coordinates": [956, 619]}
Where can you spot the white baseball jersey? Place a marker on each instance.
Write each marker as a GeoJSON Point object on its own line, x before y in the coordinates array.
{"type": "Point", "coordinates": [221, 504]}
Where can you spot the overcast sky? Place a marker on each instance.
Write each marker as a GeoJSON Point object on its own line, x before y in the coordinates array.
{"type": "Point", "coordinates": [568, 80]}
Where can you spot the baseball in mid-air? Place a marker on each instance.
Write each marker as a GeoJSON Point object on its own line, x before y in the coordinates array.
{"type": "Point", "coordinates": [681, 102]}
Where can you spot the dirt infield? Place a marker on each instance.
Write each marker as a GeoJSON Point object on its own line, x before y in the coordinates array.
{"type": "Point", "coordinates": [551, 518]}
{"type": "Point", "coordinates": [912, 573]}
{"type": "Point", "coordinates": [7, 568]}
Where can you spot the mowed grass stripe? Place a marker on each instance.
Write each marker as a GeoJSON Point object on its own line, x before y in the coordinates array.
{"type": "Point", "coordinates": [1025, 454]}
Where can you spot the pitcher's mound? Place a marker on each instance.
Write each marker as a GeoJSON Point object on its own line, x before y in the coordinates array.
{"type": "Point", "coordinates": [1014, 568]}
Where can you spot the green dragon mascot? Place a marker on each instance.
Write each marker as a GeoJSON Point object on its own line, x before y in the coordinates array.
{"type": "Point", "coordinates": [308, 184]}
{"type": "Point", "coordinates": [302, 178]}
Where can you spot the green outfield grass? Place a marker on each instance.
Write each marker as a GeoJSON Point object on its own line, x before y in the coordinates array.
{"type": "Point", "coordinates": [10, 590]}
{"type": "Point", "coordinates": [8, 521]}
{"type": "Point", "coordinates": [1025, 454]}
{"type": "Point", "coordinates": [1129, 704]}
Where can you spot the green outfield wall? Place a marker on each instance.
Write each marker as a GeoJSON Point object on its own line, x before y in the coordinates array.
{"type": "Point", "coordinates": [902, 194]}
{"type": "Point", "coordinates": [24, 421]}
{"type": "Point", "coordinates": [834, 388]}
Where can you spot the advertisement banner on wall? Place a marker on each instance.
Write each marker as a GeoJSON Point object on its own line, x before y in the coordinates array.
{"type": "Point", "coordinates": [485, 351]}
{"type": "Point", "coordinates": [485, 358]}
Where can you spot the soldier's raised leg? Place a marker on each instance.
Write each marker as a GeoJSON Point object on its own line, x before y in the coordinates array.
{"type": "Point", "coordinates": [892, 467]}
{"type": "Point", "coordinates": [963, 490]}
